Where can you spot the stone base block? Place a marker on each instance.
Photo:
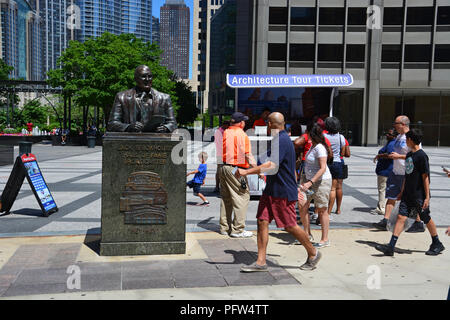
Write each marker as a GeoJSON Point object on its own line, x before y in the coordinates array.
{"type": "Point", "coordinates": [142, 248]}
{"type": "Point", "coordinates": [143, 195]}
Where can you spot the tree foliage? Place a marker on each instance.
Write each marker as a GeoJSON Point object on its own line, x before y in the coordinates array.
{"type": "Point", "coordinates": [36, 113]}
{"type": "Point", "coordinates": [188, 112]}
{"type": "Point", "coordinates": [5, 70]}
{"type": "Point", "coordinates": [96, 70]}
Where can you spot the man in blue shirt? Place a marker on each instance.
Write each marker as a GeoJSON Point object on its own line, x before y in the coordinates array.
{"type": "Point", "coordinates": [383, 170]}
{"type": "Point", "coordinates": [280, 195]}
{"type": "Point", "coordinates": [199, 177]}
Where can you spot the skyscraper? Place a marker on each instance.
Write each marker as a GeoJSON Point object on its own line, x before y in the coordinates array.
{"type": "Point", "coordinates": [116, 17]}
{"type": "Point", "coordinates": [98, 17]}
{"type": "Point", "coordinates": [175, 24]}
{"type": "Point", "coordinates": [55, 34]}
{"type": "Point", "coordinates": [136, 17]}
{"type": "Point", "coordinates": [155, 30]}
{"type": "Point", "coordinates": [34, 47]}
{"type": "Point", "coordinates": [20, 43]}
{"type": "Point", "coordinates": [201, 43]}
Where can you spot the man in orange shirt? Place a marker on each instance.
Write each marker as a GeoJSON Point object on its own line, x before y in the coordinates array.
{"type": "Point", "coordinates": [234, 192]}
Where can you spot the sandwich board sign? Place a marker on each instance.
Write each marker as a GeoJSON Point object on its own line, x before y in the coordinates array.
{"type": "Point", "coordinates": [26, 166]}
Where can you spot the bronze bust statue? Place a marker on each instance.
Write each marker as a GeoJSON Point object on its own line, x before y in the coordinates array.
{"type": "Point", "coordinates": [142, 109]}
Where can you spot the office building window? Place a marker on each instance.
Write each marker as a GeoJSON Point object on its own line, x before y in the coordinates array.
{"type": "Point", "coordinates": [393, 16]}
{"type": "Point", "coordinates": [303, 16]}
{"type": "Point", "coordinates": [443, 15]}
{"type": "Point", "coordinates": [331, 16]}
{"type": "Point", "coordinates": [301, 52]}
{"type": "Point", "coordinates": [277, 52]}
{"type": "Point", "coordinates": [356, 52]}
{"type": "Point", "coordinates": [278, 15]}
{"type": "Point", "coordinates": [442, 53]}
{"type": "Point", "coordinates": [417, 53]}
{"type": "Point", "coordinates": [420, 16]}
{"type": "Point", "coordinates": [357, 16]}
{"type": "Point", "coordinates": [391, 53]}
{"type": "Point", "coordinates": [330, 52]}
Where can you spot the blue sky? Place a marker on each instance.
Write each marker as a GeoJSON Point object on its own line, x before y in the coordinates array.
{"type": "Point", "coordinates": [157, 4]}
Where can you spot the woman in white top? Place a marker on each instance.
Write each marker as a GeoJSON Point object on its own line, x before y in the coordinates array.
{"type": "Point", "coordinates": [340, 149]}
{"type": "Point", "coordinates": [318, 180]}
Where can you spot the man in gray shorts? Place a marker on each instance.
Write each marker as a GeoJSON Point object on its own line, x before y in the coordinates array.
{"type": "Point", "coordinates": [396, 177]}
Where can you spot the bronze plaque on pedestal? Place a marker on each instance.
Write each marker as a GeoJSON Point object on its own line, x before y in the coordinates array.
{"type": "Point", "coordinates": [144, 200]}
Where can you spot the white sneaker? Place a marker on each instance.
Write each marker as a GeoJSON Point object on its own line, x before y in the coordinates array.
{"type": "Point", "coordinates": [376, 212]}
{"type": "Point", "coordinates": [224, 233]}
{"type": "Point", "coordinates": [243, 234]}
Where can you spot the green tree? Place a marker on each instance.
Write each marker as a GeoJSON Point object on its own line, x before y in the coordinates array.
{"type": "Point", "coordinates": [96, 70]}
{"type": "Point", "coordinates": [35, 112]}
{"type": "Point", "coordinates": [5, 70]}
{"type": "Point", "coordinates": [188, 111]}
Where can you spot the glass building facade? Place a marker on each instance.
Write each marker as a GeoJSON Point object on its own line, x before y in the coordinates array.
{"type": "Point", "coordinates": [136, 17]}
{"type": "Point", "coordinates": [155, 30]}
{"type": "Point", "coordinates": [9, 39]}
{"type": "Point", "coordinates": [21, 39]}
{"type": "Point", "coordinates": [55, 34]}
{"type": "Point", "coordinates": [97, 17]}
{"type": "Point", "coordinates": [116, 17]}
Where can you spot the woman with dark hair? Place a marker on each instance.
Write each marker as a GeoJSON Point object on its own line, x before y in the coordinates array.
{"type": "Point", "coordinates": [340, 148]}
{"type": "Point", "coordinates": [316, 183]}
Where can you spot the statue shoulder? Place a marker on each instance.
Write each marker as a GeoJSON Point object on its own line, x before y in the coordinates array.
{"type": "Point", "coordinates": [125, 93]}
{"type": "Point", "coordinates": [161, 95]}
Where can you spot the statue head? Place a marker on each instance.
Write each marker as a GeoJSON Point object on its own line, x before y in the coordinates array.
{"type": "Point", "coordinates": [144, 78]}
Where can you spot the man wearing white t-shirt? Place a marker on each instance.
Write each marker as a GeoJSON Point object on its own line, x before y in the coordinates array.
{"type": "Point", "coordinates": [395, 179]}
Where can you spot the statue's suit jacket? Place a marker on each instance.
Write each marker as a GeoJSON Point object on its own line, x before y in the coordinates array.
{"type": "Point", "coordinates": [125, 107]}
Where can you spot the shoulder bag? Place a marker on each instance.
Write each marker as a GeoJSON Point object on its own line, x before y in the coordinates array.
{"type": "Point", "coordinates": [344, 167]}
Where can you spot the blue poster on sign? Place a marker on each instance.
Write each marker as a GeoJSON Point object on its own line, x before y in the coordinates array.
{"type": "Point", "coordinates": [288, 80]}
{"type": "Point", "coordinates": [38, 184]}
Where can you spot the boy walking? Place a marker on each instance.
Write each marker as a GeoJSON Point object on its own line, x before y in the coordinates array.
{"type": "Point", "coordinates": [415, 195]}
{"type": "Point", "coordinates": [199, 177]}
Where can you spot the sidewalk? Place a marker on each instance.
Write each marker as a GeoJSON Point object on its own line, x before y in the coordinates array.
{"type": "Point", "coordinates": [37, 268]}
{"type": "Point", "coordinates": [36, 252]}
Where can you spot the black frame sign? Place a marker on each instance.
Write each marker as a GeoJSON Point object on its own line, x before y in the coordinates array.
{"type": "Point", "coordinates": [27, 166]}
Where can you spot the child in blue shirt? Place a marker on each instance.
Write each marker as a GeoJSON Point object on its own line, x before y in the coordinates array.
{"type": "Point", "coordinates": [199, 177]}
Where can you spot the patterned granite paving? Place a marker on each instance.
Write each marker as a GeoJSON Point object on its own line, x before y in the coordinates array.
{"type": "Point", "coordinates": [43, 269]}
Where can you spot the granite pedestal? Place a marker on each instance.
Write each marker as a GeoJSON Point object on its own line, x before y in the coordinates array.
{"type": "Point", "coordinates": [143, 196]}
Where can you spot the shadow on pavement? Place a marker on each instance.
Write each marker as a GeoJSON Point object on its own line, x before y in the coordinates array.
{"type": "Point", "coordinates": [27, 212]}
{"type": "Point", "coordinates": [244, 257]}
{"type": "Point", "coordinates": [92, 241]}
{"type": "Point", "coordinates": [363, 209]}
{"type": "Point", "coordinates": [207, 225]}
{"type": "Point", "coordinates": [371, 225]}
{"type": "Point", "coordinates": [373, 244]}
{"type": "Point", "coordinates": [287, 238]}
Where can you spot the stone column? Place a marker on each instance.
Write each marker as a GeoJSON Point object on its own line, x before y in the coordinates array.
{"type": "Point", "coordinates": [373, 81]}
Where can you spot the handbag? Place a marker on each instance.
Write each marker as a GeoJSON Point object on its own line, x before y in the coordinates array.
{"type": "Point", "coordinates": [344, 167]}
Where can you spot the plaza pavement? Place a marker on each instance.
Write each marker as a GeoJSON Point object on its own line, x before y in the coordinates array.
{"type": "Point", "coordinates": [35, 252]}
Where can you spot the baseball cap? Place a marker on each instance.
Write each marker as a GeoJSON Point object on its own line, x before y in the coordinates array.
{"type": "Point", "coordinates": [238, 117]}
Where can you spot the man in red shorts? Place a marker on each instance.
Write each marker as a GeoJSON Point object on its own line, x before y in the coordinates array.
{"type": "Point", "coordinates": [279, 196]}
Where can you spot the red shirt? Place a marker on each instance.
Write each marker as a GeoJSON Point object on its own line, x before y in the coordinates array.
{"type": "Point", "coordinates": [260, 122]}
{"type": "Point", "coordinates": [30, 126]}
